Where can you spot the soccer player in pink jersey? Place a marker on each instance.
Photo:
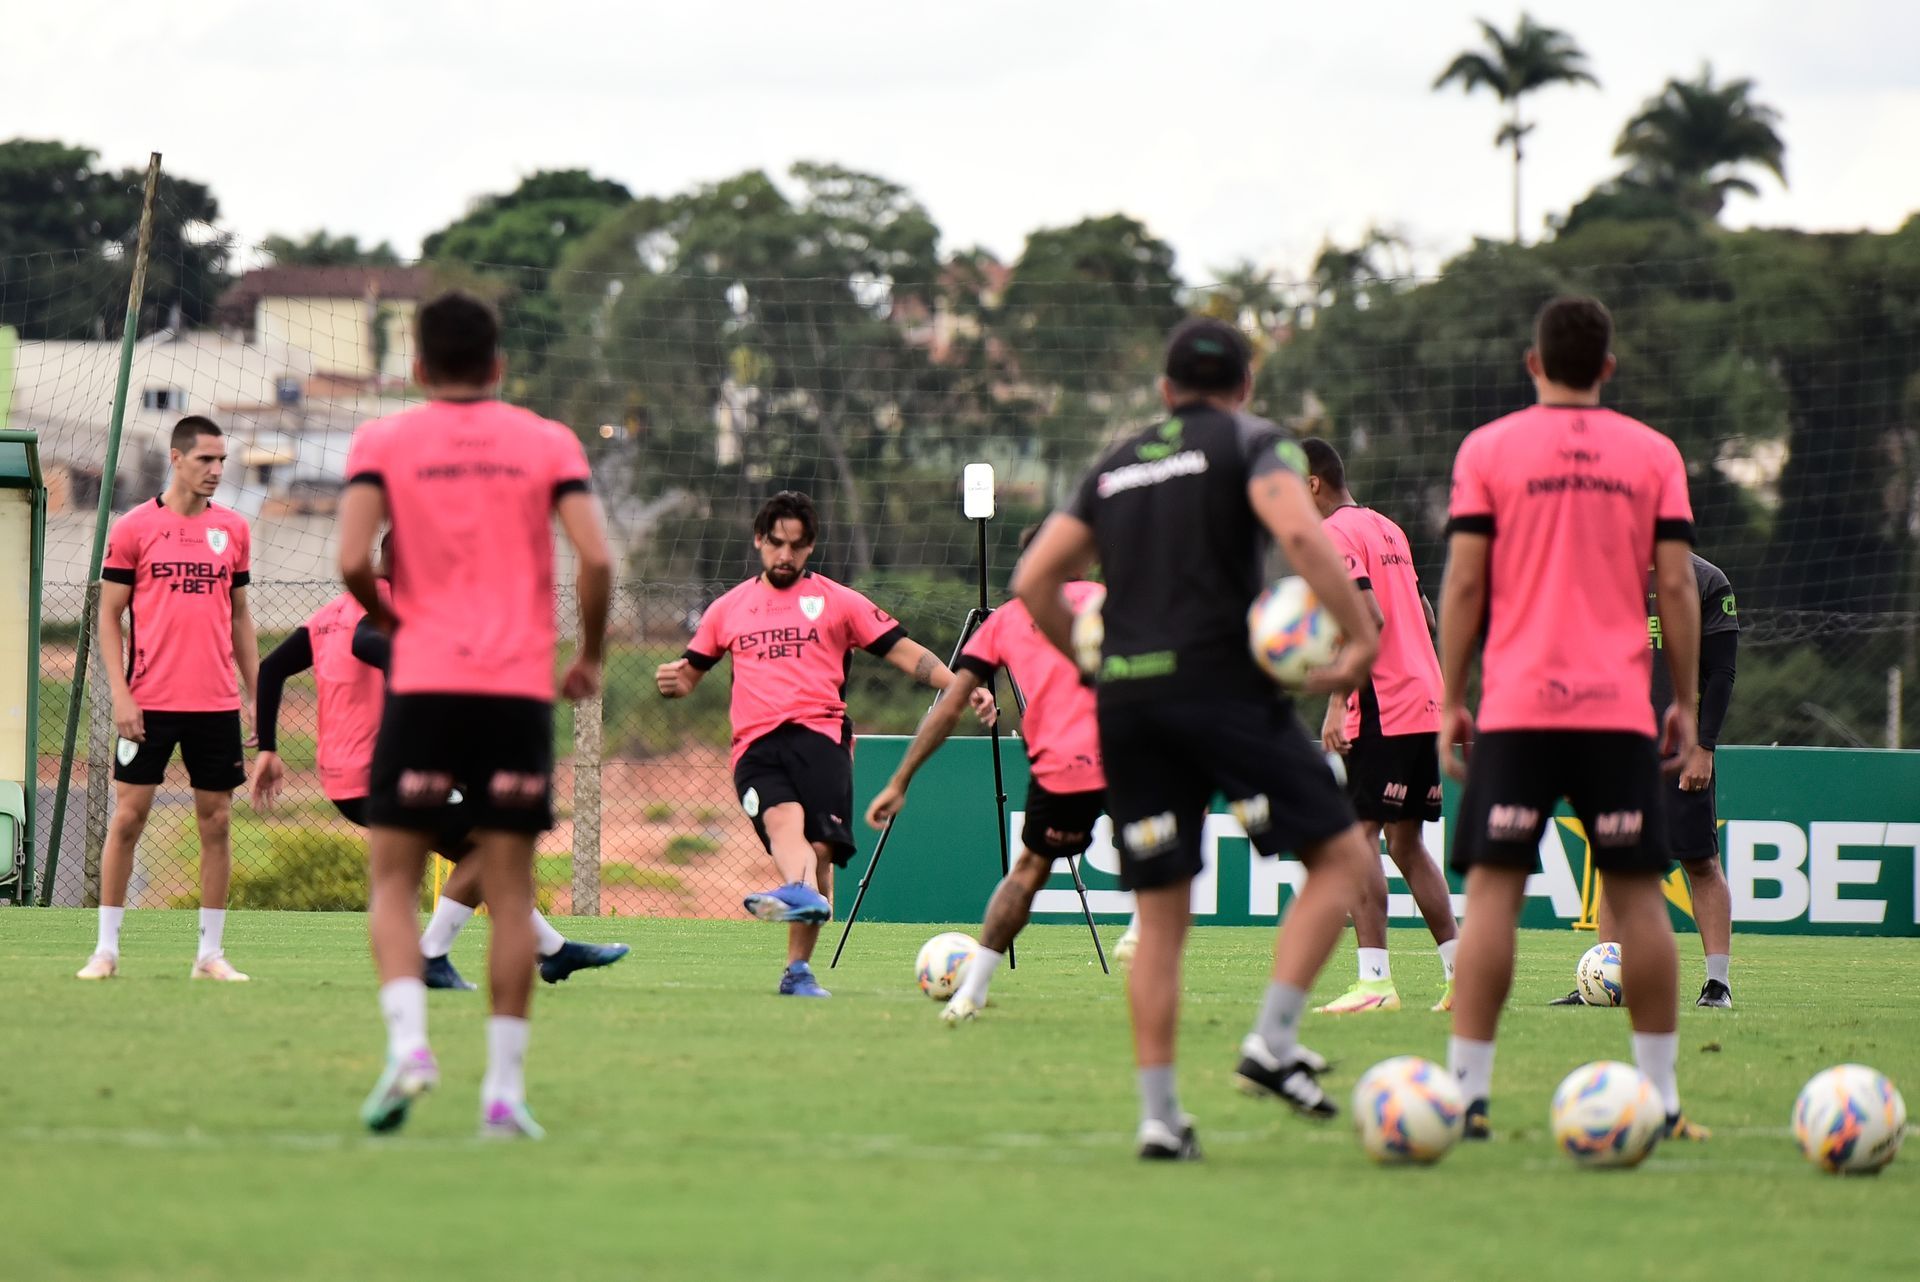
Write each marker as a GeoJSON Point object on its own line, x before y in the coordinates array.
{"type": "Point", "coordinates": [1066, 788]}
{"type": "Point", "coordinates": [349, 658]}
{"type": "Point", "coordinates": [1386, 730]}
{"type": "Point", "coordinates": [1556, 513]}
{"type": "Point", "coordinates": [792, 634]}
{"type": "Point", "coordinates": [178, 568]}
{"type": "Point", "coordinates": [470, 487]}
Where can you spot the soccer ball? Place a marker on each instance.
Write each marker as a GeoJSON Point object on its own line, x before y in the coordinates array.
{"type": "Point", "coordinates": [942, 964]}
{"type": "Point", "coordinates": [1089, 631]}
{"type": "Point", "coordinates": [1607, 1114]}
{"type": "Point", "coordinates": [1289, 633]}
{"type": "Point", "coordinates": [1598, 976]}
{"type": "Point", "coordinates": [1407, 1109]}
{"type": "Point", "coordinates": [1849, 1120]}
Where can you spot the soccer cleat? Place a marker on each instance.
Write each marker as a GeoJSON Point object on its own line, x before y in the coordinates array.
{"type": "Point", "coordinates": [572, 956]}
{"type": "Point", "coordinates": [1715, 994]}
{"type": "Point", "coordinates": [1123, 947]}
{"type": "Point", "coordinates": [1261, 1073]}
{"type": "Point", "coordinates": [960, 1010]}
{"type": "Point", "coordinates": [1446, 999]}
{"type": "Point", "coordinates": [1368, 994]}
{"type": "Point", "coordinates": [99, 966]}
{"type": "Point", "coordinates": [1474, 1126]}
{"type": "Point", "coordinates": [439, 973]}
{"type": "Point", "coordinates": [1571, 999]}
{"type": "Point", "coordinates": [795, 901]}
{"type": "Point", "coordinates": [798, 981]}
{"type": "Point", "coordinates": [505, 1120]}
{"type": "Point", "coordinates": [1157, 1142]}
{"type": "Point", "coordinates": [219, 968]}
{"type": "Point", "coordinates": [1679, 1128]}
{"type": "Point", "coordinates": [404, 1080]}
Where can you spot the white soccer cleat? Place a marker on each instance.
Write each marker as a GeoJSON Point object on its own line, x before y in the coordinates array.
{"type": "Point", "coordinates": [509, 1120]}
{"type": "Point", "coordinates": [218, 968]}
{"type": "Point", "coordinates": [1124, 946]}
{"type": "Point", "coordinates": [960, 1010]}
{"type": "Point", "coordinates": [99, 966]}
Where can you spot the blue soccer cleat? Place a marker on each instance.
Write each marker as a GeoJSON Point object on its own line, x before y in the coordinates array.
{"type": "Point", "coordinates": [439, 973]}
{"type": "Point", "coordinates": [572, 956]}
{"type": "Point", "coordinates": [795, 901]}
{"type": "Point", "coordinates": [798, 981]}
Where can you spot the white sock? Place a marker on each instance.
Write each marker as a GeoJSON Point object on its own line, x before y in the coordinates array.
{"type": "Point", "coordinates": [1447, 950]}
{"type": "Point", "coordinates": [506, 1077]}
{"type": "Point", "coordinates": [213, 926]}
{"type": "Point", "coordinates": [403, 1002]}
{"type": "Point", "coordinates": [979, 975]}
{"type": "Point", "coordinates": [1717, 964]}
{"type": "Point", "coordinates": [546, 940]}
{"type": "Point", "coordinates": [1133, 925]}
{"type": "Point", "coordinates": [442, 928]}
{"type": "Point", "coordinates": [1373, 965]}
{"type": "Point", "coordinates": [108, 941]}
{"type": "Point", "coordinates": [1657, 1055]}
{"type": "Point", "coordinates": [1472, 1065]}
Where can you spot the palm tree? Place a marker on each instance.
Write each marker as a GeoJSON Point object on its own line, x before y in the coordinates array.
{"type": "Point", "coordinates": [1689, 141]}
{"type": "Point", "coordinates": [1533, 57]}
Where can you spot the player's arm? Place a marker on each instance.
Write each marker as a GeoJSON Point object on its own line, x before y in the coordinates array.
{"type": "Point", "coordinates": [1678, 594]}
{"type": "Point", "coordinates": [677, 678]}
{"type": "Point", "coordinates": [363, 510]}
{"type": "Point", "coordinates": [246, 645]}
{"type": "Point", "coordinates": [1426, 608]}
{"type": "Point", "coordinates": [1062, 551]}
{"type": "Point", "coordinates": [290, 657]}
{"type": "Point", "coordinates": [934, 729]}
{"type": "Point", "coordinates": [1463, 604]}
{"type": "Point", "coordinates": [372, 646]}
{"type": "Point", "coordinates": [925, 667]}
{"type": "Point", "coordinates": [1281, 500]}
{"type": "Point", "coordinates": [115, 596]}
{"type": "Point", "coordinates": [580, 521]}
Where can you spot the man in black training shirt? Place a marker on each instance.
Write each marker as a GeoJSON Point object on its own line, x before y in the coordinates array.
{"type": "Point", "coordinates": [1693, 823]}
{"type": "Point", "coordinates": [1180, 518]}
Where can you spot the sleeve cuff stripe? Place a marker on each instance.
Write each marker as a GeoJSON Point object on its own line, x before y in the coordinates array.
{"type": "Point", "coordinates": [886, 641]}
{"type": "Point", "coordinates": [1673, 531]}
{"type": "Point", "coordinates": [367, 478]}
{"type": "Point", "coordinates": [974, 664]}
{"type": "Point", "coordinates": [700, 662]}
{"type": "Point", "coordinates": [1479, 524]}
{"type": "Point", "coordinates": [114, 574]}
{"type": "Point", "coordinates": [572, 485]}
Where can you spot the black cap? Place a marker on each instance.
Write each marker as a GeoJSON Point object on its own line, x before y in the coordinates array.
{"type": "Point", "coordinates": [1208, 355]}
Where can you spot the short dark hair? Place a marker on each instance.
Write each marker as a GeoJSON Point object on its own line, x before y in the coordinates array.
{"type": "Point", "coordinates": [1573, 336]}
{"type": "Point", "coordinates": [787, 505]}
{"type": "Point", "coordinates": [1208, 355]}
{"type": "Point", "coordinates": [1324, 462]}
{"type": "Point", "coordinates": [459, 335]}
{"type": "Point", "coordinates": [190, 429]}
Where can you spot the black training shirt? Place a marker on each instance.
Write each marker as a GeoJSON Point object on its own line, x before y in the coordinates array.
{"type": "Point", "coordinates": [1719, 637]}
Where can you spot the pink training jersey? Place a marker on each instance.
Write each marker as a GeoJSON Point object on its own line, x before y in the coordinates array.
{"type": "Point", "coordinates": [471, 487]}
{"type": "Point", "coordinates": [791, 648]}
{"type": "Point", "coordinates": [1059, 726]}
{"type": "Point", "coordinates": [350, 694]}
{"type": "Point", "coordinates": [183, 570]}
{"type": "Point", "coordinates": [1573, 498]}
{"type": "Point", "coordinates": [1403, 696]}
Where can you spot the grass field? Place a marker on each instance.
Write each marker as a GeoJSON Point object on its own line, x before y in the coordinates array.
{"type": "Point", "coordinates": [703, 1129]}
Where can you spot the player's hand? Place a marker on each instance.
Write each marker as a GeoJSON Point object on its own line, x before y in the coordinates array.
{"type": "Point", "coordinates": [888, 803]}
{"type": "Point", "coordinates": [981, 700]}
{"type": "Point", "coordinates": [249, 737]}
{"type": "Point", "coordinates": [268, 774]}
{"type": "Point", "coordinates": [1348, 671]}
{"type": "Point", "coordinates": [674, 680]}
{"type": "Point", "coordinates": [1679, 736]}
{"type": "Point", "coordinates": [128, 721]}
{"type": "Point", "coordinates": [582, 680]}
{"type": "Point", "coordinates": [1456, 727]}
{"type": "Point", "coordinates": [1330, 737]}
{"type": "Point", "coordinates": [1697, 774]}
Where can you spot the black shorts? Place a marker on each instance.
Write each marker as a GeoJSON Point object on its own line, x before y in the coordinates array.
{"type": "Point", "coordinates": [1059, 825]}
{"type": "Point", "coordinates": [209, 744]}
{"type": "Point", "coordinates": [1166, 760]}
{"type": "Point", "coordinates": [793, 763]}
{"type": "Point", "coordinates": [1693, 822]}
{"type": "Point", "coordinates": [496, 749]}
{"type": "Point", "coordinates": [1395, 777]}
{"type": "Point", "coordinates": [1611, 778]}
{"type": "Point", "coordinates": [451, 842]}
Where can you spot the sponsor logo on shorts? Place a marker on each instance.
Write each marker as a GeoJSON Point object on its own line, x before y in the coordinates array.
{"type": "Point", "coordinates": [1433, 795]}
{"type": "Point", "coordinates": [1255, 813]}
{"type": "Point", "coordinates": [1056, 837]}
{"type": "Point", "coordinates": [1394, 794]}
{"type": "Point", "coordinates": [126, 751]}
{"type": "Point", "coordinates": [516, 788]}
{"type": "Point", "coordinates": [1512, 823]}
{"type": "Point", "coordinates": [1152, 837]}
{"type": "Point", "coordinates": [1618, 828]}
{"type": "Point", "coordinates": [454, 798]}
{"type": "Point", "coordinates": [750, 802]}
{"type": "Point", "coordinates": [424, 787]}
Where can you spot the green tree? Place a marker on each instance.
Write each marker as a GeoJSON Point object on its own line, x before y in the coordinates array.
{"type": "Point", "coordinates": [1511, 67]}
{"type": "Point", "coordinates": [1690, 142]}
{"type": "Point", "coordinates": [322, 249]}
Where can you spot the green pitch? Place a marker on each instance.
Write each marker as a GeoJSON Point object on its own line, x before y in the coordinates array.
{"type": "Point", "coordinates": [703, 1129]}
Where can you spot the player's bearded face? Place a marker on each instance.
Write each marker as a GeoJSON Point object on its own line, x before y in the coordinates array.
{"type": "Point", "coordinates": [783, 553]}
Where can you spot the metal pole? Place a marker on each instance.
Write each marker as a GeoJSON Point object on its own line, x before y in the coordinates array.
{"type": "Point", "coordinates": [586, 806]}
{"type": "Point", "coordinates": [1894, 700]}
{"type": "Point", "coordinates": [109, 468]}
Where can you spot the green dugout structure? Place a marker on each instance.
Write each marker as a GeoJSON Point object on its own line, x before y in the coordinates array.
{"type": "Point", "coordinates": [1816, 841]}
{"type": "Point", "coordinates": [23, 533]}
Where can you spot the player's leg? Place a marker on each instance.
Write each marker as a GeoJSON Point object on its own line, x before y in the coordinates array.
{"type": "Point", "coordinates": [772, 780]}
{"type": "Point", "coordinates": [213, 814]}
{"type": "Point", "coordinates": [1713, 914]}
{"type": "Point", "coordinates": [459, 897]}
{"type": "Point", "coordinates": [1482, 978]}
{"type": "Point", "coordinates": [1407, 847]}
{"type": "Point", "coordinates": [506, 864]}
{"type": "Point", "coordinates": [1374, 989]}
{"type": "Point", "coordinates": [1153, 1001]}
{"type": "Point", "coordinates": [132, 803]}
{"type": "Point", "coordinates": [396, 859]}
{"type": "Point", "coordinates": [1007, 915]}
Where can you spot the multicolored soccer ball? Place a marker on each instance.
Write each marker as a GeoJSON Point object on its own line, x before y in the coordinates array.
{"type": "Point", "coordinates": [1598, 976]}
{"type": "Point", "coordinates": [1407, 1109]}
{"type": "Point", "coordinates": [1089, 630]}
{"type": "Point", "coordinates": [1849, 1120]}
{"type": "Point", "coordinates": [942, 964]}
{"type": "Point", "coordinates": [1607, 1114]}
{"type": "Point", "coordinates": [1290, 633]}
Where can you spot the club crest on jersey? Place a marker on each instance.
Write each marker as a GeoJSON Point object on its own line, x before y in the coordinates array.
{"type": "Point", "coordinates": [217, 540]}
{"type": "Point", "coordinates": [813, 607]}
